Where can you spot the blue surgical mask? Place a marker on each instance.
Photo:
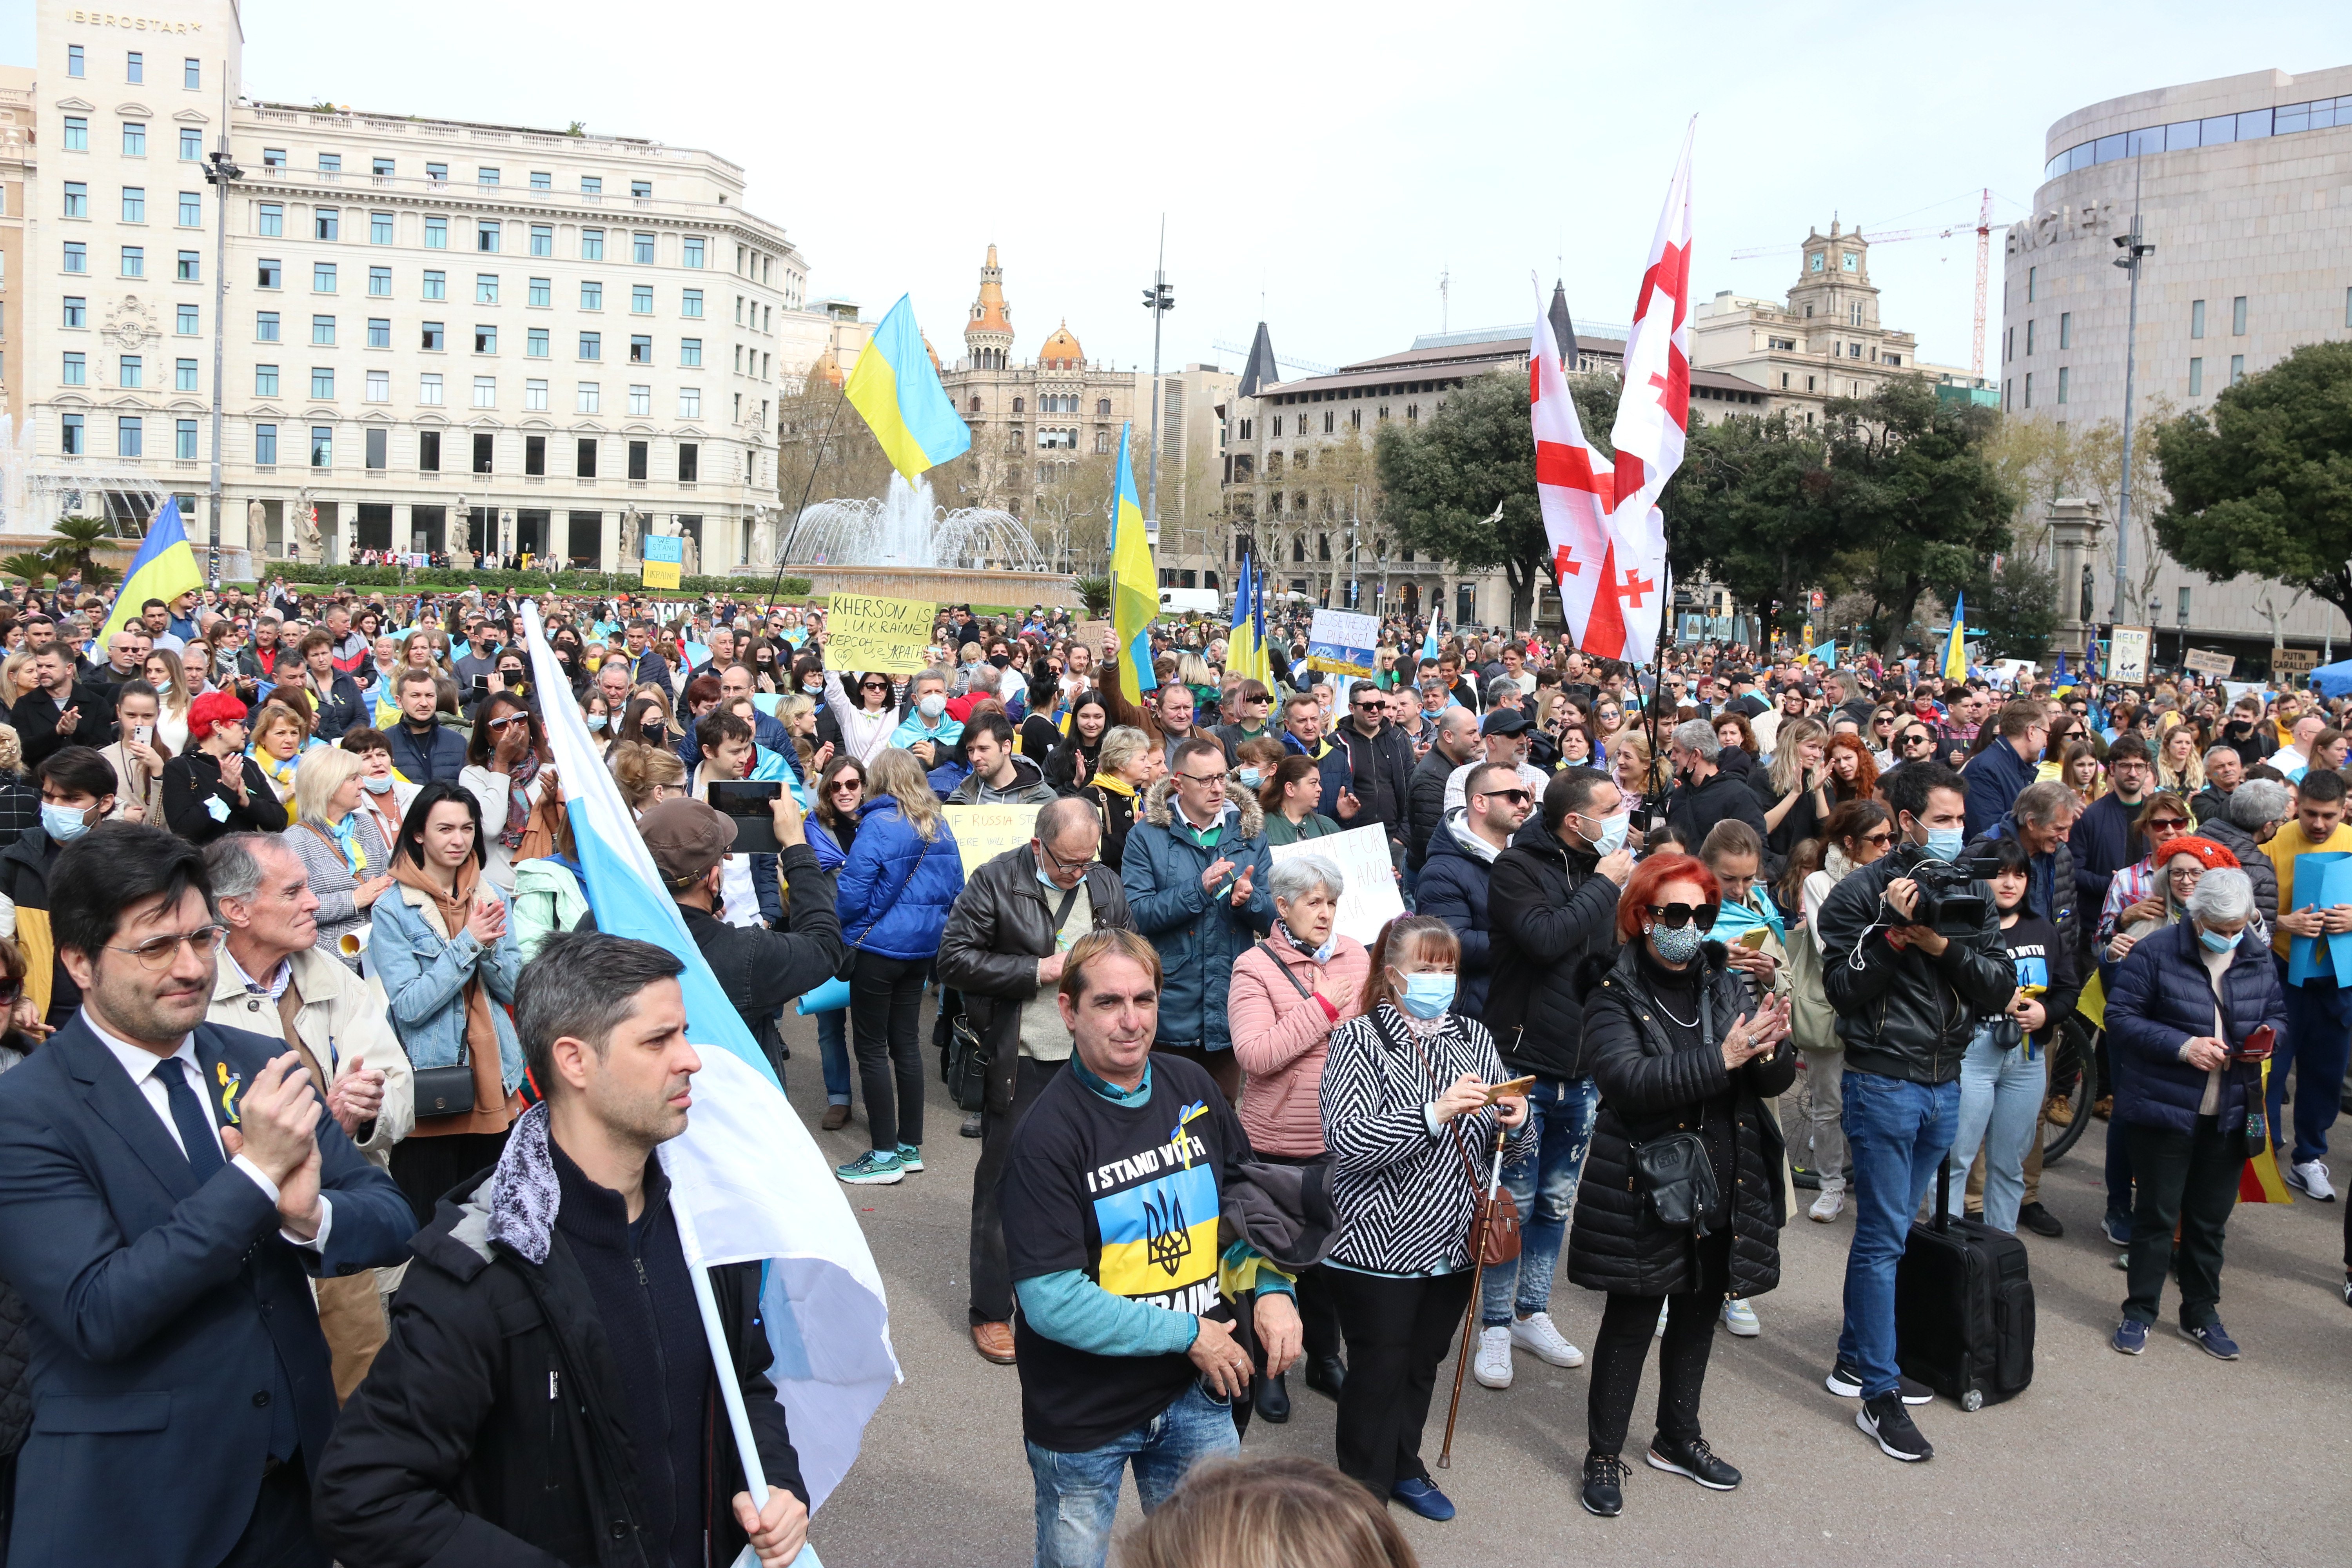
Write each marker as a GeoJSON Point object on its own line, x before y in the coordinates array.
{"type": "Point", "coordinates": [1945, 843]}
{"type": "Point", "coordinates": [1427, 995]}
{"type": "Point", "coordinates": [1251, 777]}
{"type": "Point", "coordinates": [1677, 944]}
{"type": "Point", "coordinates": [2215, 942]}
{"type": "Point", "coordinates": [1612, 836]}
{"type": "Point", "coordinates": [596, 720]}
{"type": "Point", "coordinates": [813, 686]}
{"type": "Point", "coordinates": [64, 824]}
{"type": "Point", "coordinates": [375, 786]}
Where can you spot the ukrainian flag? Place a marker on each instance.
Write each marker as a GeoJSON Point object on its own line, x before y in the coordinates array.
{"type": "Point", "coordinates": [1134, 582]}
{"type": "Point", "coordinates": [164, 568]}
{"type": "Point", "coordinates": [1238, 641]}
{"type": "Point", "coordinates": [1258, 645]}
{"type": "Point", "coordinates": [1160, 1236]}
{"type": "Point", "coordinates": [897, 390]}
{"type": "Point", "coordinates": [1956, 647]}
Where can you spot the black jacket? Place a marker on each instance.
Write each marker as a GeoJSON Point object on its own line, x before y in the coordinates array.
{"type": "Point", "coordinates": [763, 971]}
{"type": "Point", "coordinates": [1693, 811]}
{"type": "Point", "coordinates": [492, 1423]}
{"type": "Point", "coordinates": [193, 778]}
{"type": "Point", "coordinates": [34, 719]}
{"type": "Point", "coordinates": [1455, 879]}
{"type": "Point", "coordinates": [1001, 925]}
{"type": "Point", "coordinates": [1379, 769]}
{"type": "Point", "coordinates": [1904, 1014]}
{"type": "Point", "coordinates": [2050, 889]}
{"type": "Point", "coordinates": [341, 709]}
{"type": "Point", "coordinates": [1547, 910]}
{"type": "Point", "coordinates": [1650, 1087]}
{"type": "Point", "coordinates": [1426, 804]}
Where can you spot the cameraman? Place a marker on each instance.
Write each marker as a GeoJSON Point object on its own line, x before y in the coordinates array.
{"type": "Point", "coordinates": [1907, 999]}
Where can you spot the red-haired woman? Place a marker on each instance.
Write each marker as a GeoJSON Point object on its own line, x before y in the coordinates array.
{"type": "Point", "coordinates": [1854, 772]}
{"type": "Point", "coordinates": [1677, 1052]}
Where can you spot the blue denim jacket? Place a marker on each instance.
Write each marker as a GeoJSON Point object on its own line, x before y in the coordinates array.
{"type": "Point", "coordinates": [424, 974]}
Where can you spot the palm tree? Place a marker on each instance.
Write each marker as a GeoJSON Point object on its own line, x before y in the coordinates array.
{"type": "Point", "coordinates": [31, 566]}
{"type": "Point", "coordinates": [77, 537]}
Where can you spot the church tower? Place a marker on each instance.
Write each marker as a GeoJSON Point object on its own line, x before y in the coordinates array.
{"type": "Point", "coordinates": [1833, 288]}
{"type": "Point", "coordinates": [988, 336]}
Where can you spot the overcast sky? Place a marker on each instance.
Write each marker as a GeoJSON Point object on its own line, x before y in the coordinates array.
{"type": "Point", "coordinates": [1332, 163]}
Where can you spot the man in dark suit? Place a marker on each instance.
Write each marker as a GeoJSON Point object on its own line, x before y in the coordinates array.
{"type": "Point", "coordinates": [166, 1188]}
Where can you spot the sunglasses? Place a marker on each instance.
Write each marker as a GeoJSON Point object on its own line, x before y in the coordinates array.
{"type": "Point", "coordinates": [1516, 796]}
{"type": "Point", "coordinates": [1880, 839]}
{"type": "Point", "coordinates": [845, 787]}
{"type": "Point", "coordinates": [2170, 825]}
{"type": "Point", "coordinates": [1673, 916]}
{"type": "Point", "coordinates": [873, 686]}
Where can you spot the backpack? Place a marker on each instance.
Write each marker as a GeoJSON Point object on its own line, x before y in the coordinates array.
{"type": "Point", "coordinates": [1811, 1023]}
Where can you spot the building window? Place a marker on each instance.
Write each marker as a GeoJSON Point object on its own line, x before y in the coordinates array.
{"type": "Point", "coordinates": [485, 340]}
{"type": "Point", "coordinates": [183, 440]}
{"type": "Point", "coordinates": [77, 199]}
{"type": "Point", "coordinates": [69, 436]}
{"type": "Point", "coordinates": [2062, 384]}
{"type": "Point", "coordinates": [382, 168]}
{"type": "Point", "coordinates": [534, 456]}
{"type": "Point", "coordinates": [379, 228]}
{"type": "Point", "coordinates": [542, 239]}
{"type": "Point", "coordinates": [591, 185]}
{"type": "Point", "coordinates": [641, 249]}
{"type": "Point", "coordinates": [75, 63]}
{"type": "Point", "coordinates": [428, 389]}
{"type": "Point", "coordinates": [130, 436]}
{"type": "Point", "coordinates": [77, 372]}
{"type": "Point", "coordinates": [484, 452]}
{"type": "Point", "coordinates": [187, 321]}
{"type": "Point", "coordinates": [322, 331]}
{"type": "Point", "coordinates": [534, 396]}
{"type": "Point", "coordinates": [379, 387]}
{"type": "Point", "coordinates": [2033, 283]}
{"type": "Point", "coordinates": [584, 463]}
{"type": "Point", "coordinates": [693, 248]}
{"type": "Point", "coordinates": [436, 285]}
{"type": "Point", "coordinates": [641, 299]}
{"type": "Point", "coordinates": [264, 446]}
{"type": "Point", "coordinates": [2237, 369]}
{"type": "Point", "coordinates": [690, 462]}
{"type": "Point", "coordinates": [542, 292]}
{"type": "Point", "coordinates": [2196, 378]}
{"type": "Point", "coordinates": [380, 282]}
{"type": "Point", "coordinates": [592, 346]}
{"type": "Point", "coordinates": [322, 446]}
{"type": "Point", "coordinates": [1853, 315]}
{"type": "Point", "coordinates": [2066, 328]}
{"type": "Point", "coordinates": [486, 235]}
{"type": "Point", "coordinates": [264, 381]}
{"type": "Point", "coordinates": [486, 287]}
{"type": "Point", "coordinates": [436, 173]}
{"type": "Point", "coordinates": [323, 277]}
{"type": "Point", "coordinates": [641, 351]}
{"type": "Point", "coordinates": [2238, 316]}
{"type": "Point", "coordinates": [639, 453]}
{"type": "Point", "coordinates": [690, 402]}
{"type": "Point", "coordinates": [187, 269]}
{"type": "Point", "coordinates": [641, 189]}
{"type": "Point", "coordinates": [378, 444]}
{"type": "Point", "coordinates": [592, 296]}
{"type": "Point", "coordinates": [331, 162]}
{"type": "Point", "coordinates": [689, 303]}
{"type": "Point", "coordinates": [534, 344]}
{"type": "Point", "coordinates": [587, 398]}
{"type": "Point", "coordinates": [428, 451]}
{"type": "Point", "coordinates": [134, 139]}
{"type": "Point", "coordinates": [191, 210]}
{"type": "Point", "coordinates": [2029, 389]}
{"type": "Point", "coordinates": [326, 223]}
{"type": "Point", "coordinates": [2029, 340]}
{"type": "Point", "coordinates": [641, 403]}
{"type": "Point", "coordinates": [322, 381]}
{"type": "Point", "coordinates": [486, 393]}
{"type": "Point", "coordinates": [183, 376]}
{"type": "Point", "coordinates": [2196, 318]}
{"type": "Point", "coordinates": [76, 133]}
{"type": "Point", "coordinates": [134, 204]}
{"type": "Point", "coordinates": [437, 234]}
{"type": "Point", "coordinates": [592, 244]}
{"type": "Point", "coordinates": [268, 273]}
{"type": "Point", "coordinates": [135, 261]}
{"type": "Point", "coordinates": [486, 176]}
{"type": "Point", "coordinates": [689, 353]}
{"type": "Point", "coordinates": [541, 180]}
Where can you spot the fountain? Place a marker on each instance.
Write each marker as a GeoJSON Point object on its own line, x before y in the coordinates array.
{"type": "Point", "coordinates": [905, 545]}
{"type": "Point", "coordinates": [16, 455]}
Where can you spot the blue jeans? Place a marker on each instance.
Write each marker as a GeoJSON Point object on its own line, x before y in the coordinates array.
{"type": "Point", "coordinates": [1543, 1183]}
{"type": "Point", "coordinates": [1077, 1494]}
{"type": "Point", "coordinates": [2000, 1099]}
{"type": "Point", "coordinates": [832, 1051]}
{"type": "Point", "coordinates": [1897, 1133]}
{"type": "Point", "coordinates": [2316, 1043]}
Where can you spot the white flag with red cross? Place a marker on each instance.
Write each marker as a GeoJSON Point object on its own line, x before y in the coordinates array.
{"type": "Point", "coordinates": [1575, 492]}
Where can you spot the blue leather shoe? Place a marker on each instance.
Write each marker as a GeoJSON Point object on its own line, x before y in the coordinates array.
{"type": "Point", "coordinates": [2130, 1337]}
{"type": "Point", "coordinates": [1422, 1496]}
{"type": "Point", "coordinates": [2213, 1339]}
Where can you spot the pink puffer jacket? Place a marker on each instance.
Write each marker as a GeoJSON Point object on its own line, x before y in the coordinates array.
{"type": "Point", "coordinates": [1280, 1037]}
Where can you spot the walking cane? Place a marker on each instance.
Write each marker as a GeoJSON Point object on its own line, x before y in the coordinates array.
{"type": "Point", "coordinates": [1470, 1316]}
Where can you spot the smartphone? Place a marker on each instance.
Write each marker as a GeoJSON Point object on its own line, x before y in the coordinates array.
{"type": "Point", "coordinates": [481, 683]}
{"type": "Point", "coordinates": [143, 734]}
{"type": "Point", "coordinates": [1753, 939]}
{"type": "Point", "coordinates": [749, 802]}
{"type": "Point", "coordinates": [2257, 1046]}
{"type": "Point", "coordinates": [1509, 1087]}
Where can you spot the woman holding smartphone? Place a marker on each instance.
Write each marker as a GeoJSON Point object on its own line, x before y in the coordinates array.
{"type": "Point", "coordinates": [1679, 1051]}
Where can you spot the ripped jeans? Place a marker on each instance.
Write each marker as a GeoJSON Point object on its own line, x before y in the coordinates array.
{"type": "Point", "coordinates": [1543, 1183]}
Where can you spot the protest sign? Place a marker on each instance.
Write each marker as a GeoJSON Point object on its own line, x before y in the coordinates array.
{"type": "Point", "coordinates": [2127, 655]}
{"type": "Point", "coordinates": [1361, 854]}
{"type": "Point", "coordinates": [870, 633]}
{"type": "Point", "coordinates": [2204, 661]}
{"type": "Point", "coordinates": [1091, 636]}
{"type": "Point", "coordinates": [665, 559]}
{"type": "Point", "coordinates": [2293, 661]}
{"type": "Point", "coordinates": [985, 832]}
{"type": "Point", "coordinates": [1340, 642]}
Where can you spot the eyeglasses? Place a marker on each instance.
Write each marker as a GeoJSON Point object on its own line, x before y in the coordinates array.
{"type": "Point", "coordinates": [844, 786]}
{"type": "Point", "coordinates": [1673, 916]}
{"type": "Point", "coordinates": [2184, 873]}
{"type": "Point", "coordinates": [158, 953]}
{"type": "Point", "coordinates": [1880, 839]}
{"type": "Point", "coordinates": [2170, 825]}
{"type": "Point", "coordinates": [1516, 796]}
{"type": "Point", "coordinates": [1918, 740]}
{"type": "Point", "coordinates": [1206, 781]}
{"type": "Point", "coordinates": [873, 686]}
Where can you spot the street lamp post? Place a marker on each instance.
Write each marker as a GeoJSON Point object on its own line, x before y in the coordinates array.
{"type": "Point", "coordinates": [219, 174]}
{"type": "Point", "coordinates": [1159, 298]}
{"type": "Point", "coordinates": [2135, 250]}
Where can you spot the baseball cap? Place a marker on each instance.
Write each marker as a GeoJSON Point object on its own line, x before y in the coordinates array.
{"type": "Point", "coordinates": [1504, 722]}
{"type": "Point", "coordinates": [687, 838]}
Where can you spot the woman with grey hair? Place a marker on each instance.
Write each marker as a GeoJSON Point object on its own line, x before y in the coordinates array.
{"type": "Point", "coordinates": [1124, 769]}
{"type": "Point", "coordinates": [1289, 992]}
{"type": "Point", "coordinates": [2188, 1011]}
{"type": "Point", "coordinates": [2249, 819]}
{"type": "Point", "coordinates": [339, 846]}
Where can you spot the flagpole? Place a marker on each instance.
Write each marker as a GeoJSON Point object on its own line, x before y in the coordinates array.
{"type": "Point", "coordinates": [1658, 668]}
{"type": "Point", "coordinates": [784, 549]}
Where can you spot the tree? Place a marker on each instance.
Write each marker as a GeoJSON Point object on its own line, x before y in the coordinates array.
{"type": "Point", "coordinates": [2017, 606]}
{"type": "Point", "coordinates": [2262, 484]}
{"type": "Point", "coordinates": [1913, 482]}
{"type": "Point", "coordinates": [1072, 517]}
{"type": "Point", "coordinates": [1753, 505]}
{"type": "Point", "coordinates": [1462, 484]}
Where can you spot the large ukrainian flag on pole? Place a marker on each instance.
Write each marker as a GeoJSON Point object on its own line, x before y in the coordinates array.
{"type": "Point", "coordinates": [164, 568]}
{"type": "Point", "coordinates": [1956, 647]}
{"type": "Point", "coordinates": [897, 390]}
{"type": "Point", "coordinates": [1134, 583]}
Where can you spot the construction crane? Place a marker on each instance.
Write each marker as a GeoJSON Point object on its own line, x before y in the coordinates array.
{"type": "Point", "coordinates": [1983, 226]}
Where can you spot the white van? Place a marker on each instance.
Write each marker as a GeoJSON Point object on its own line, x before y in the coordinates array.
{"type": "Point", "coordinates": [1191, 601]}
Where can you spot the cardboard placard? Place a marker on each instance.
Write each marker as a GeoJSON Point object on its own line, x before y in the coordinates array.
{"type": "Point", "coordinates": [1340, 642]}
{"type": "Point", "coordinates": [665, 558]}
{"type": "Point", "coordinates": [2204, 661]}
{"type": "Point", "coordinates": [869, 633]}
{"type": "Point", "coordinates": [2127, 651]}
{"type": "Point", "coordinates": [1090, 635]}
{"type": "Point", "coordinates": [1371, 900]}
{"type": "Point", "coordinates": [985, 832]}
{"type": "Point", "coordinates": [2294, 661]}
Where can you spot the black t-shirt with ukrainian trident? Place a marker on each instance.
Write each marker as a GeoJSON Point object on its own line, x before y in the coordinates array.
{"type": "Point", "coordinates": [1130, 1198]}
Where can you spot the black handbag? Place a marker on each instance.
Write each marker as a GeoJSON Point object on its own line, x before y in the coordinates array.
{"type": "Point", "coordinates": [447, 1091]}
{"type": "Point", "coordinates": [1677, 1179]}
{"type": "Point", "coordinates": [964, 1065]}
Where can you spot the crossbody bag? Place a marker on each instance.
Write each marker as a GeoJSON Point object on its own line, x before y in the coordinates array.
{"type": "Point", "coordinates": [1673, 1172]}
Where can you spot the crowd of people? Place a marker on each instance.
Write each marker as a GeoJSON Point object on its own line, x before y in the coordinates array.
{"type": "Point", "coordinates": [327, 1133]}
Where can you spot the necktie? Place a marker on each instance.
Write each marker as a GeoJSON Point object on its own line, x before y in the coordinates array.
{"type": "Point", "coordinates": [195, 1122]}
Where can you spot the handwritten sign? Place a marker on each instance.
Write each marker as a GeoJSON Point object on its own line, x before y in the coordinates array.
{"type": "Point", "coordinates": [985, 832]}
{"type": "Point", "coordinates": [1090, 635]}
{"type": "Point", "coordinates": [870, 633]}
{"type": "Point", "coordinates": [2127, 655]}
{"type": "Point", "coordinates": [2204, 661]}
{"type": "Point", "coordinates": [2293, 661]}
{"type": "Point", "coordinates": [1370, 899]}
{"type": "Point", "coordinates": [665, 559]}
{"type": "Point", "coordinates": [1340, 642]}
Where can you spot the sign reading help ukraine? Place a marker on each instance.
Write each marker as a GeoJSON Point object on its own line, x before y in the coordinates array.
{"type": "Point", "coordinates": [1340, 642]}
{"type": "Point", "coordinates": [985, 832]}
{"type": "Point", "coordinates": [868, 633]}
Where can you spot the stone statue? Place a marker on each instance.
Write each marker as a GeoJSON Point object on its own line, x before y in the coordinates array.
{"type": "Point", "coordinates": [257, 529]}
{"type": "Point", "coordinates": [632, 522]}
{"type": "Point", "coordinates": [764, 543]}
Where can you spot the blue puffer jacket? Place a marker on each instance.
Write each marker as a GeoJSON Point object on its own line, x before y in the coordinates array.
{"type": "Point", "coordinates": [1454, 887]}
{"type": "Point", "coordinates": [2162, 998]}
{"type": "Point", "coordinates": [895, 889]}
{"type": "Point", "coordinates": [1199, 943]}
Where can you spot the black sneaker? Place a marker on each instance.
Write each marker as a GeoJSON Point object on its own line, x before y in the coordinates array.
{"type": "Point", "coordinates": [1605, 1485]}
{"type": "Point", "coordinates": [1845, 1381]}
{"type": "Point", "coordinates": [1885, 1419]}
{"type": "Point", "coordinates": [2040, 1220]}
{"type": "Point", "coordinates": [1696, 1459]}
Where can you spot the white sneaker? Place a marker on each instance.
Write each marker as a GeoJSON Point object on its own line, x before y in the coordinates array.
{"type": "Point", "coordinates": [1740, 1318]}
{"type": "Point", "coordinates": [1827, 1207]}
{"type": "Point", "coordinates": [2312, 1177]}
{"type": "Point", "coordinates": [1537, 1333]}
{"type": "Point", "coordinates": [1492, 1366]}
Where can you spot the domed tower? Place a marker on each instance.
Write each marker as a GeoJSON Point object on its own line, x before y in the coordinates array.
{"type": "Point", "coordinates": [988, 336]}
{"type": "Point", "coordinates": [1061, 352]}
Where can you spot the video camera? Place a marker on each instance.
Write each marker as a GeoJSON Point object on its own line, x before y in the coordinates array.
{"type": "Point", "coordinates": [1946, 904]}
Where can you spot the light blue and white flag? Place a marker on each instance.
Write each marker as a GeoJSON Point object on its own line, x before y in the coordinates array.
{"type": "Point", "coordinates": [747, 1182]}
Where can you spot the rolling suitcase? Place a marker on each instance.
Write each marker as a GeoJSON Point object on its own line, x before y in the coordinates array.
{"type": "Point", "coordinates": [1964, 1307]}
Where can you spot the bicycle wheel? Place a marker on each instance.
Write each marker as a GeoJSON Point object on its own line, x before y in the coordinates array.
{"type": "Point", "coordinates": [2074, 1080]}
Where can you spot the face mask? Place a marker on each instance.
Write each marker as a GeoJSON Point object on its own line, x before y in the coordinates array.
{"type": "Point", "coordinates": [1251, 777]}
{"type": "Point", "coordinates": [932, 705]}
{"type": "Point", "coordinates": [1677, 944]}
{"type": "Point", "coordinates": [1427, 995]}
{"type": "Point", "coordinates": [1944, 843]}
{"type": "Point", "coordinates": [1612, 833]}
{"type": "Point", "coordinates": [2215, 942]}
{"type": "Point", "coordinates": [376, 786]}
{"type": "Point", "coordinates": [64, 824]}
{"type": "Point", "coordinates": [596, 721]}
{"type": "Point", "coordinates": [812, 686]}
